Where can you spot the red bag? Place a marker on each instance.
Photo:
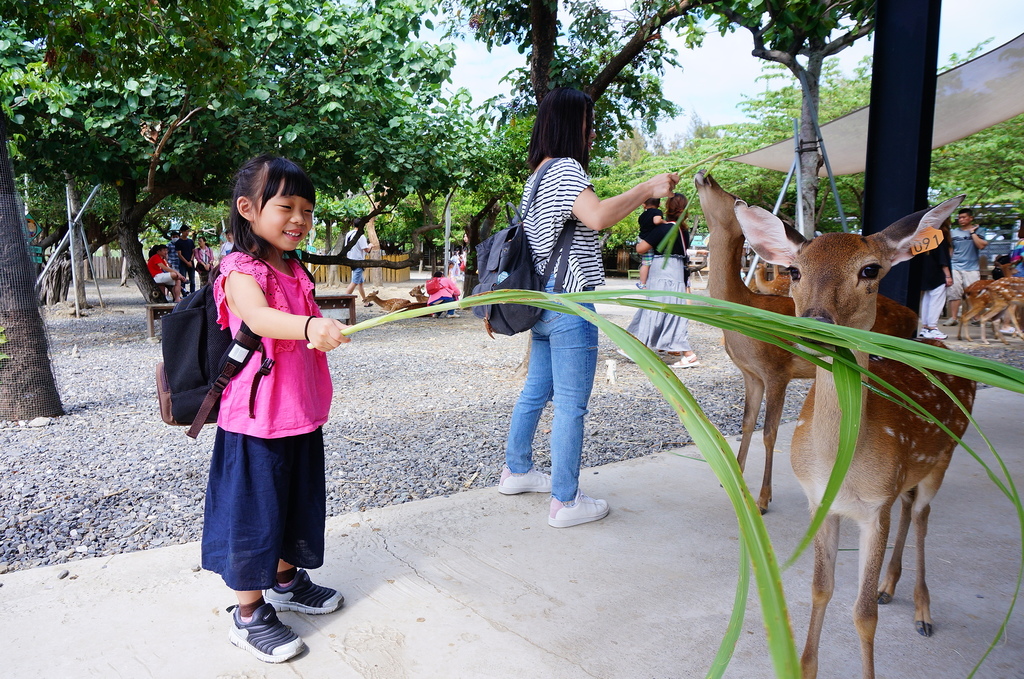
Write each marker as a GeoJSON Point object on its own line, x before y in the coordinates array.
{"type": "Point", "coordinates": [433, 285]}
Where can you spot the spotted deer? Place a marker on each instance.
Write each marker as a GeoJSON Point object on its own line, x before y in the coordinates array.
{"type": "Point", "coordinates": [767, 369]}
{"type": "Point", "coordinates": [987, 300]}
{"type": "Point", "coordinates": [835, 279]}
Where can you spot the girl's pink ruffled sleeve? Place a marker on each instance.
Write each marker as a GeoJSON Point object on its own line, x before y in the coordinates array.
{"type": "Point", "coordinates": [243, 263]}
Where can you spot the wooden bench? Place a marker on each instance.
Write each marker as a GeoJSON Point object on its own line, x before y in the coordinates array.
{"type": "Point", "coordinates": [339, 302]}
{"type": "Point", "coordinates": [154, 312]}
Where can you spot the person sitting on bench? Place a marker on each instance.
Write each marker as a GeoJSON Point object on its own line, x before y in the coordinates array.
{"type": "Point", "coordinates": [163, 275]}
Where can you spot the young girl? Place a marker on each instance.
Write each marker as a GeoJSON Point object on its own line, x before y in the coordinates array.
{"type": "Point", "coordinates": [266, 499]}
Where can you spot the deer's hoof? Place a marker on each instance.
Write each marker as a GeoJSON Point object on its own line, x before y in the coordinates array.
{"type": "Point", "coordinates": [885, 598]}
{"type": "Point", "coordinates": [923, 628]}
{"type": "Point", "coordinates": [764, 510]}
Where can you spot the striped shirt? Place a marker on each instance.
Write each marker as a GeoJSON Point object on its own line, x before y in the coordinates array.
{"type": "Point", "coordinates": [563, 182]}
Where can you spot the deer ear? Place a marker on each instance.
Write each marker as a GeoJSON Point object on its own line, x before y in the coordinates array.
{"type": "Point", "coordinates": [900, 235]}
{"type": "Point", "coordinates": [767, 234]}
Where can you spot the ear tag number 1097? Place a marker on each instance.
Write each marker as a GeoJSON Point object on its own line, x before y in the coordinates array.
{"type": "Point", "coordinates": [928, 239]}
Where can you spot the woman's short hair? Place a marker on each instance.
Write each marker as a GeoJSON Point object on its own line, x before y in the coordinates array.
{"type": "Point", "coordinates": [558, 131]}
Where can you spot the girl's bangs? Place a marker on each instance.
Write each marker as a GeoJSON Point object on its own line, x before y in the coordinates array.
{"type": "Point", "coordinates": [295, 181]}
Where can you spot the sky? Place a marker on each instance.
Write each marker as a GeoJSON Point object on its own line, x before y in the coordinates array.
{"type": "Point", "coordinates": [714, 77]}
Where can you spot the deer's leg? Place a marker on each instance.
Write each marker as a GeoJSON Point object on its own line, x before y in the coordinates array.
{"type": "Point", "coordinates": [922, 508]}
{"type": "Point", "coordinates": [753, 392]}
{"type": "Point", "coordinates": [775, 399]}
{"type": "Point", "coordinates": [874, 533]}
{"type": "Point", "coordinates": [888, 588]}
{"type": "Point", "coordinates": [826, 546]}
{"type": "Point", "coordinates": [993, 315]}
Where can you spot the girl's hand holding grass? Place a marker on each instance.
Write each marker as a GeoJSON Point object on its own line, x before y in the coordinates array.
{"type": "Point", "coordinates": [325, 333]}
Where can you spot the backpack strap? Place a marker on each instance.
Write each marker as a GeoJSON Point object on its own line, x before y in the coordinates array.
{"type": "Point", "coordinates": [559, 260]}
{"type": "Point", "coordinates": [243, 346]}
{"type": "Point", "coordinates": [536, 185]}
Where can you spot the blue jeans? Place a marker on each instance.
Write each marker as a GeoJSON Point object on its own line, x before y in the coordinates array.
{"type": "Point", "coordinates": [563, 360]}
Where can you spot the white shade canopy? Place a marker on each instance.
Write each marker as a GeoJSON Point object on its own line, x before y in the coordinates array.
{"type": "Point", "coordinates": [973, 96]}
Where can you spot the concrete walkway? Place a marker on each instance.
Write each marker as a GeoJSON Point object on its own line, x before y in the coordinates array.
{"type": "Point", "coordinates": [477, 585]}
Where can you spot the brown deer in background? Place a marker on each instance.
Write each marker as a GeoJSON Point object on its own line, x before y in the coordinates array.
{"type": "Point", "coordinates": [776, 286]}
{"type": "Point", "coordinates": [388, 304]}
{"type": "Point", "coordinates": [898, 454]}
{"type": "Point", "coordinates": [419, 294]}
{"type": "Point", "coordinates": [988, 299]}
{"type": "Point", "coordinates": [766, 368]}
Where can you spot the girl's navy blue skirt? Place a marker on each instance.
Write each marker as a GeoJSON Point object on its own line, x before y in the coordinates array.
{"type": "Point", "coordinates": [265, 500]}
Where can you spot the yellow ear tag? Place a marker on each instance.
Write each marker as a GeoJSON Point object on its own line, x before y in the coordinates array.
{"type": "Point", "coordinates": [928, 239]}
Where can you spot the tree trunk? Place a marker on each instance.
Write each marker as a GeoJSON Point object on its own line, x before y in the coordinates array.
{"type": "Point", "coordinates": [129, 222]}
{"type": "Point", "coordinates": [544, 27]}
{"type": "Point", "coordinates": [810, 156]}
{"type": "Point", "coordinates": [27, 387]}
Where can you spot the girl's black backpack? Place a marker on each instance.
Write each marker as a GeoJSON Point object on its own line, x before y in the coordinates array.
{"type": "Point", "coordinates": [200, 358]}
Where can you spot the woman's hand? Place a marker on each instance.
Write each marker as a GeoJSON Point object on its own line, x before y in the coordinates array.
{"type": "Point", "coordinates": [600, 214]}
{"type": "Point", "coordinates": [325, 334]}
{"type": "Point", "coordinates": [663, 185]}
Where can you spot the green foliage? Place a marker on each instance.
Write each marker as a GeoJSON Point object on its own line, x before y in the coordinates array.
{"type": "Point", "coordinates": [3, 340]}
{"type": "Point", "coordinates": [791, 26]}
{"type": "Point", "coordinates": [583, 44]}
{"type": "Point", "coordinates": [343, 88]}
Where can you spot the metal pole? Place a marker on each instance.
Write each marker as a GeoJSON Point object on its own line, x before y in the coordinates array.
{"type": "Point", "coordinates": [447, 230]}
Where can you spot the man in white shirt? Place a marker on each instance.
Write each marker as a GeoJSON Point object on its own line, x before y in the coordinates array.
{"type": "Point", "coordinates": [357, 249]}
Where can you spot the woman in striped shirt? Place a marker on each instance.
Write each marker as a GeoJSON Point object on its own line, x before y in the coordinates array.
{"type": "Point", "coordinates": [563, 354]}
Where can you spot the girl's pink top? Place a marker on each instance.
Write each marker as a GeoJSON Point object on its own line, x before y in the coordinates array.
{"type": "Point", "coordinates": [447, 289]}
{"type": "Point", "coordinates": [295, 398]}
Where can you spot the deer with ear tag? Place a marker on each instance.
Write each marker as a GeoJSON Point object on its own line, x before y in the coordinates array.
{"type": "Point", "coordinates": [835, 279]}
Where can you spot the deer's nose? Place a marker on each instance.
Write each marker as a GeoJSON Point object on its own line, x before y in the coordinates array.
{"type": "Point", "coordinates": [819, 315]}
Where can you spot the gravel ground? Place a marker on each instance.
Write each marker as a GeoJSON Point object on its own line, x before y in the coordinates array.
{"type": "Point", "coordinates": [421, 409]}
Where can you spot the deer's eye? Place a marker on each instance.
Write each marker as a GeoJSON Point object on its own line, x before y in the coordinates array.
{"type": "Point", "coordinates": [870, 271]}
{"type": "Point", "coordinates": [794, 273]}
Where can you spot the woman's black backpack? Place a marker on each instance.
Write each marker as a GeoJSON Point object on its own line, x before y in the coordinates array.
{"type": "Point", "coordinates": [505, 262]}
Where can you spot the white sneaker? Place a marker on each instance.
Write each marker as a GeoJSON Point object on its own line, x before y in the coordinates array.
{"type": "Point", "coordinates": [583, 509]}
{"type": "Point", "coordinates": [1006, 331]}
{"type": "Point", "coordinates": [532, 481]}
{"type": "Point", "coordinates": [932, 333]}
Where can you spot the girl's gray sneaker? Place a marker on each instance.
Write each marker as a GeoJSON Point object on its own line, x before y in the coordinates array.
{"type": "Point", "coordinates": [304, 596]}
{"type": "Point", "coordinates": [265, 636]}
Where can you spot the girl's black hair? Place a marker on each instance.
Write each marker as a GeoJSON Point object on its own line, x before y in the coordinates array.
{"type": "Point", "coordinates": [259, 180]}
{"type": "Point", "coordinates": [438, 274]}
{"type": "Point", "coordinates": [157, 248]}
{"type": "Point", "coordinates": [558, 130]}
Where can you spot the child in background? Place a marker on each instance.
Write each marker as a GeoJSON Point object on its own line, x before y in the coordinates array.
{"type": "Point", "coordinates": [441, 290]}
{"type": "Point", "coordinates": [266, 498]}
{"type": "Point", "coordinates": [648, 219]}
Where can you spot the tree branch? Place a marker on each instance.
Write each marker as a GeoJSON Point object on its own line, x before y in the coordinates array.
{"type": "Point", "coordinates": [151, 178]}
{"type": "Point", "coordinates": [644, 34]}
{"type": "Point", "coordinates": [841, 43]}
